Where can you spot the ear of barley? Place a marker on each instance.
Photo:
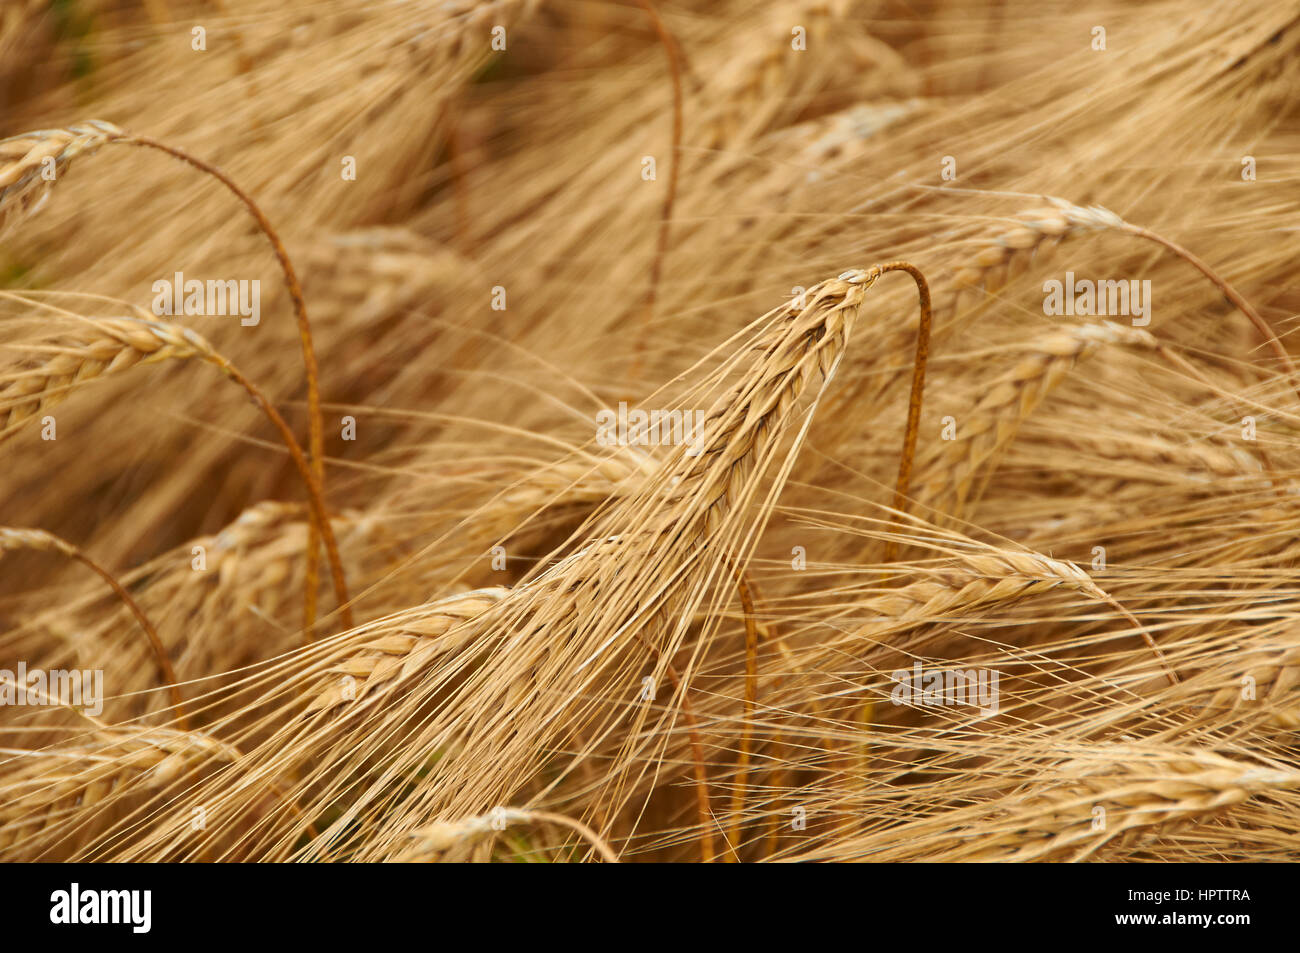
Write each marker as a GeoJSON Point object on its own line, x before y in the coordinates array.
{"type": "Point", "coordinates": [972, 580]}
{"type": "Point", "coordinates": [105, 346]}
{"type": "Point", "coordinates": [371, 659]}
{"type": "Point", "coordinates": [990, 267]}
{"type": "Point", "coordinates": [13, 538]}
{"type": "Point", "coordinates": [40, 790]}
{"type": "Point", "coordinates": [435, 839]}
{"type": "Point", "coordinates": [31, 163]}
{"type": "Point", "coordinates": [1137, 787]}
{"type": "Point", "coordinates": [1000, 575]}
{"type": "Point", "coordinates": [695, 491]}
{"type": "Point", "coordinates": [996, 418]}
{"type": "Point", "coordinates": [620, 586]}
{"type": "Point", "coordinates": [741, 424]}
{"type": "Point", "coordinates": [1035, 230]}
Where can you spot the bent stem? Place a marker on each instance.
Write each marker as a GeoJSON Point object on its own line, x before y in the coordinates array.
{"type": "Point", "coordinates": [316, 425]}
{"type": "Point", "coordinates": [1229, 292]}
{"type": "Point", "coordinates": [902, 485]}
{"type": "Point", "coordinates": [582, 830]}
{"type": "Point", "coordinates": [315, 493]}
{"type": "Point", "coordinates": [39, 539]}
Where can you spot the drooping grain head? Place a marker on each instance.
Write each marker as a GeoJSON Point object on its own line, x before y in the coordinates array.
{"type": "Point", "coordinates": [103, 346]}
{"type": "Point", "coordinates": [32, 163]}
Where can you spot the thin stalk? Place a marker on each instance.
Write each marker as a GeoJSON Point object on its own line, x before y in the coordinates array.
{"type": "Point", "coordinates": [902, 486]}
{"type": "Point", "coordinates": [316, 423]}
{"type": "Point", "coordinates": [1229, 292]}
{"type": "Point", "coordinates": [751, 699]}
{"type": "Point", "coordinates": [315, 493]}
{"type": "Point", "coordinates": [665, 218]}
{"type": "Point", "coordinates": [43, 541]}
{"type": "Point", "coordinates": [707, 848]}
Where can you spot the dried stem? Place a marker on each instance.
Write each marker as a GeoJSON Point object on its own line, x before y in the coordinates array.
{"type": "Point", "coordinates": [316, 422]}
{"type": "Point", "coordinates": [917, 394]}
{"type": "Point", "coordinates": [316, 497]}
{"type": "Point", "coordinates": [707, 848]}
{"type": "Point", "coordinates": [38, 539]}
{"type": "Point", "coordinates": [751, 698]}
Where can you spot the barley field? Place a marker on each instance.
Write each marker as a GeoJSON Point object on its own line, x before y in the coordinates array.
{"type": "Point", "coordinates": [649, 430]}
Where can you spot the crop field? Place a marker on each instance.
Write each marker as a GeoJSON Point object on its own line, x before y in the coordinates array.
{"type": "Point", "coordinates": [649, 431]}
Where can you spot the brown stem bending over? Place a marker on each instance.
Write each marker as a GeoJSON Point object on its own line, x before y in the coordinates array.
{"type": "Point", "coordinates": [1229, 292]}
{"type": "Point", "coordinates": [315, 493]}
{"type": "Point", "coordinates": [316, 432]}
{"type": "Point", "coordinates": [908, 455]}
{"type": "Point", "coordinates": [38, 539]}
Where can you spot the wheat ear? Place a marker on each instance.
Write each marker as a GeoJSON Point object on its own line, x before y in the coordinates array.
{"type": "Point", "coordinates": [692, 500]}
{"type": "Point", "coordinates": [31, 163]}
{"type": "Point", "coordinates": [444, 835]}
{"type": "Point", "coordinates": [813, 338]}
{"type": "Point", "coordinates": [1062, 219]}
{"type": "Point", "coordinates": [23, 160]}
{"type": "Point", "coordinates": [373, 659]}
{"type": "Point", "coordinates": [152, 758]}
{"type": "Point", "coordinates": [110, 345]}
{"type": "Point", "coordinates": [996, 418]}
{"type": "Point", "coordinates": [32, 799]}
{"type": "Point", "coordinates": [833, 306]}
{"type": "Point", "coordinates": [1137, 787]}
{"type": "Point", "coordinates": [1001, 575]}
